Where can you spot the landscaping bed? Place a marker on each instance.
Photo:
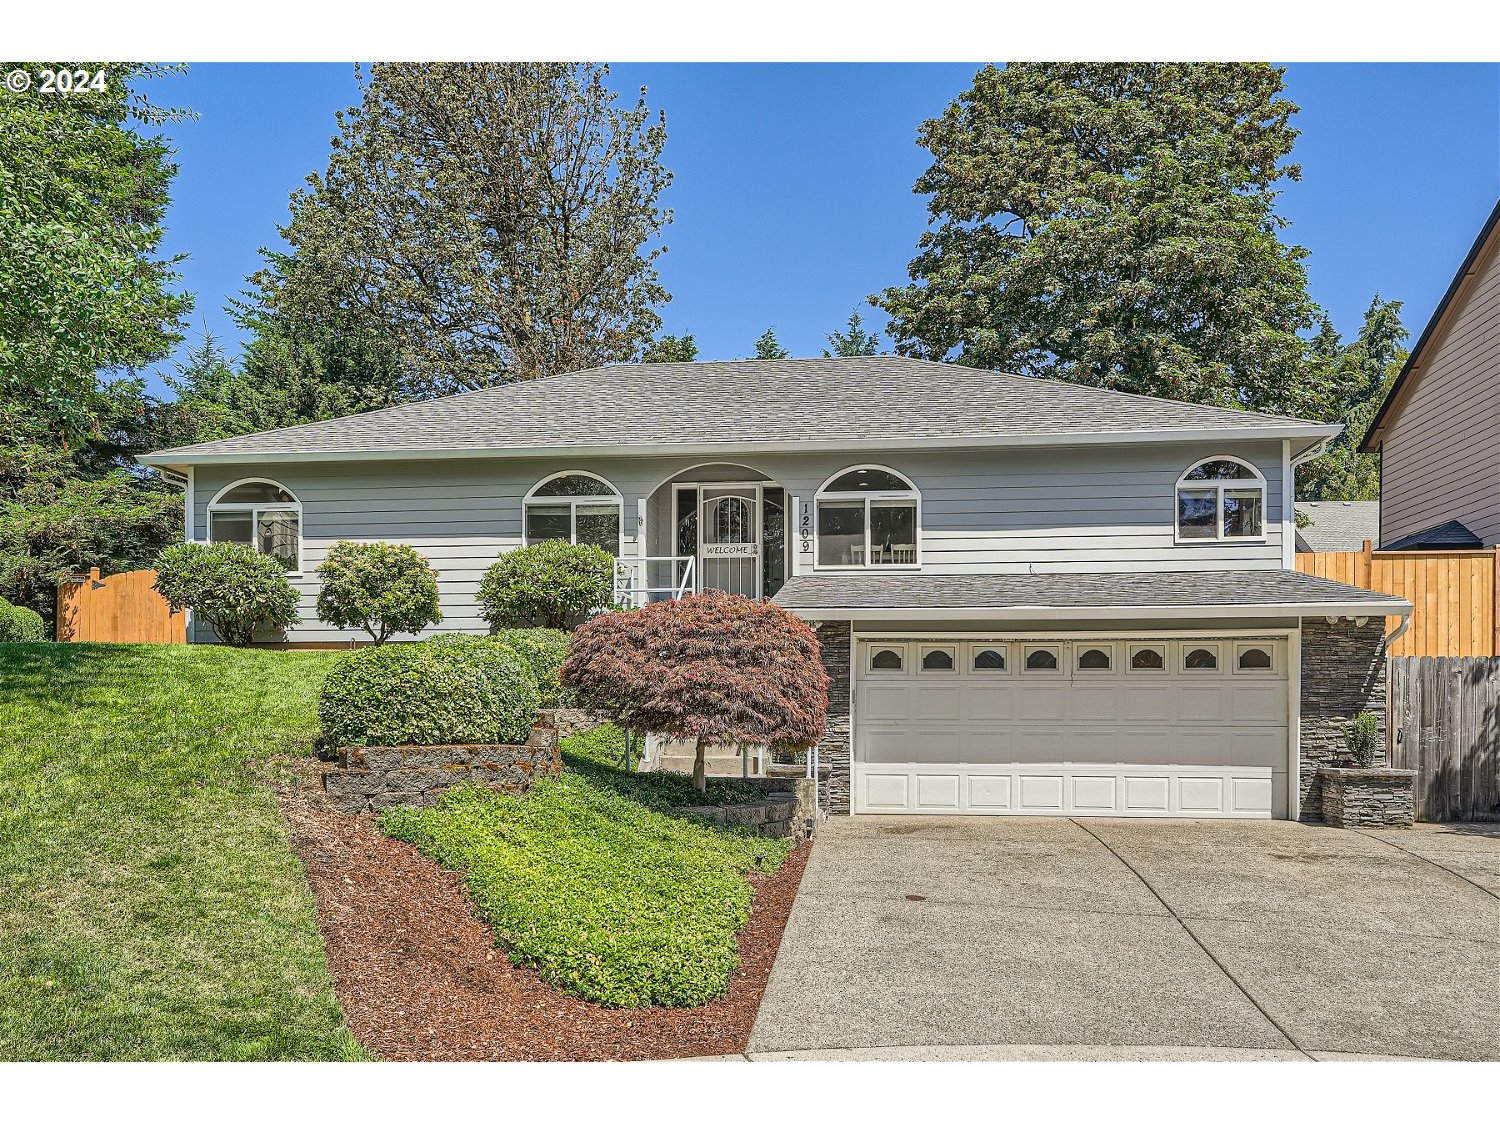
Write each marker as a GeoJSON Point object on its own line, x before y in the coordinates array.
{"type": "Point", "coordinates": [420, 976]}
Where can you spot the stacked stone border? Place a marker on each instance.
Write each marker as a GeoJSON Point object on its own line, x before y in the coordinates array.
{"type": "Point", "coordinates": [374, 778]}
{"type": "Point", "coordinates": [1367, 798]}
{"type": "Point", "coordinates": [1343, 674]}
{"type": "Point", "coordinates": [789, 811]}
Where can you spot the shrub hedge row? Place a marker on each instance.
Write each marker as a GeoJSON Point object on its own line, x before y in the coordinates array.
{"type": "Point", "coordinates": [20, 624]}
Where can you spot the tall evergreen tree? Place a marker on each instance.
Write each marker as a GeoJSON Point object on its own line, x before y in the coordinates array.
{"type": "Point", "coordinates": [1114, 224]}
{"type": "Point", "coordinates": [1360, 374]}
{"type": "Point", "coordinates": [494, 221]}
{"type": "Point", "coordinates": [769, 347]}
{"type": "Point", "coordinates": [853, 340]}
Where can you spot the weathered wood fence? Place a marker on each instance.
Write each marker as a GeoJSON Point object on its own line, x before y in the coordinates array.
{"type": "Point", "coordinates": [123, 607]}
{"type": "Point", "coordinates": [1453, 593]}
{"type": "Point", "coordinates": [1445, 724]}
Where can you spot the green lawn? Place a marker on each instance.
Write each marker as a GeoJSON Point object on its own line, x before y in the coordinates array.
{"type": "Point", "coordinates": [151, 905]}
{"type": "Point", "coordinates": [587, 881]}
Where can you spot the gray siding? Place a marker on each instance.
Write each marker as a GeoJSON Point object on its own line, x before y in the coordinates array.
{"type": "Point", "coordinates": [1441, 452]}
{"type": "Point", "coordinates": [1082, 509]}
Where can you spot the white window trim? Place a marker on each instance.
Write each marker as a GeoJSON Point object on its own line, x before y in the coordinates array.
{"type": "Point", "coordinates": [911, 494]}
{"type": "Point", "coordinates": [1059, 668]}
{"type": "Point", "coordinates": [254, 510]}
{"type": "Point", "coordinates": [953, 656]}
{"type": "Point", "coordinates": [875, 650]}
{"type": "Point", "coordinates": [1106, 647]}
{"type": "Point", "coordinates": [1164, 650]}
{"type": "Point", "coordinates": [1189, 647]}
{"type": "Point", "coordinates": [531, 499]}
{"type": "Point", "coordinates": [973, 651]}
{"type": "Point", "coordinates": [1269, 648]}
{"type": "Point", "coordinates": [1219, 487]}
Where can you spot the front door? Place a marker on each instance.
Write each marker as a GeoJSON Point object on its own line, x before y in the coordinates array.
{"type": "Point", "coordinates": [729, 542]}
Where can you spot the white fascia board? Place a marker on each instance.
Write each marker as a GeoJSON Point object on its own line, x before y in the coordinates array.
{"type": "Point", "coordinates": [1394, 608]}
{"type": "Point", "coordinates": [1309, 433]}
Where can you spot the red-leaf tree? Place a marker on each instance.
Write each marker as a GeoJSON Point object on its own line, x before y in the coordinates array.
{"type": "Point", "coordinates": [713, 668]}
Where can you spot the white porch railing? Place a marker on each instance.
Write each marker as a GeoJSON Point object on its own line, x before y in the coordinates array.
{"type": "Point", "coordinates": [652, 578]}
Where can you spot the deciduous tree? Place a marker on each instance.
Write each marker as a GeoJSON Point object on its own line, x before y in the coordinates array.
{"type": "Point", "coordinates": [671, 349]}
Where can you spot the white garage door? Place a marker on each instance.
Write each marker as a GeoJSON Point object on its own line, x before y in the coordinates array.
{"type": "Point", "coordinates": [1072, 727]}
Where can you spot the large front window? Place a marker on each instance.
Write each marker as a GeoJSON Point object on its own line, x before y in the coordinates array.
{"type": "Point", "coordinates": [576, 507]}
{"type": "Point", "coordinates": [867, 517]}
{"type": "Point", "coordinates": [262, 515]}
{"type": "Point", "coordinates": [1221, 498]}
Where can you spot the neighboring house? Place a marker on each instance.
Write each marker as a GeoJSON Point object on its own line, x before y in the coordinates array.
{"type": "Point", "coordinates": [1337, 525]}
{"type": "Point", "coordinates": [1438, 432]}
{"type": "Point", "coordinates": [1032, 597]}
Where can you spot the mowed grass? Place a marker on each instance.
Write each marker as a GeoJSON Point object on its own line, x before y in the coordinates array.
{"type": "Point", "coordinates": [151, 905]}
{"type": "Point", "coordinates": [586, 879]}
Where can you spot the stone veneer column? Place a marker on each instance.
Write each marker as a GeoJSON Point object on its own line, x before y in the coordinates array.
{"type": "Point", "coordinates": [1343, 673]}
{"type": "Point", "coordinates": [835, 637]}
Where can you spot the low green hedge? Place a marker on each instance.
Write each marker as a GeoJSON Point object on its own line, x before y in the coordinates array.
{"type": "Point", "coordinates": [544, 651]}
{"type": "Point", "coordinates": [603, 896]}
{"type": "Point", "coordinates": [427, 694]}
{"type": "Point", "coordinates": [20, 624]}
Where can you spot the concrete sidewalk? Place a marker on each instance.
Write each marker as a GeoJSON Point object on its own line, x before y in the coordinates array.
{"type": "Point", "coordinates": [924, 937]}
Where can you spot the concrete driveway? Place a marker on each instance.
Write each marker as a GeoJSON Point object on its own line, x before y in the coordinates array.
{"type": "Point", "coordinates": [1057, 938]}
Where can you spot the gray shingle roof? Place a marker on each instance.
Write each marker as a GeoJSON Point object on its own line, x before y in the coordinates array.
{"type": "Point", "coordinates": [1449, 536]}
{"type": "Point", "coordinates": [1154, 589]}
{"type": "Point", "coordinates": [889, 400]}
{"type": "Point", "coordinates": [1338, 525]}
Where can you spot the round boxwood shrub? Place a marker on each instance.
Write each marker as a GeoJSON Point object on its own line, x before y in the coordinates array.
{"type": "Point", "coordinates": [552, 584]}
{"type": "Point", "coordinates": [20, 624]}
{"type": "Point", "coordinates": [544, 651]}
{"type": "Point", "coordinates": [231, 587]}
{"type": "Point", "coordinates": [382, 588]}
{"type": "Point", "coordinates": [456, 690]}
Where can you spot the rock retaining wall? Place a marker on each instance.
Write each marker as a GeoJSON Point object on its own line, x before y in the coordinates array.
{"type": "Point", "coordinates": [790, 809]}
{"type": "Point", "coordinates": [373, 778]}
{"type": "Point", "coordinates": [1367, 798]}
{"type": "Point", "coordinates": [1343, 674]}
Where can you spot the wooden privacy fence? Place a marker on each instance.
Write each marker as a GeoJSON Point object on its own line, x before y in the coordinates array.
{"type": "Point", "coordinates": [1445, 724]}
{"type": "Point", "coordinates": [1453, 594]}
{"type": "Point", "coordinates": [123, 607]}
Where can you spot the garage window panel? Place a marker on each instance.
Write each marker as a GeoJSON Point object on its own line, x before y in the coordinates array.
{"type": "Point", "coordinates": [887, 658]}
{"type": "Point", "coordinates": [1200, 658]}
{"type": "Point", "coordinates": [989, 659]}
{"type": "Point", "coordinates": [1043, 659]}
{"type": "Point", "coordinates": [1148, 658]}
{"type": "Point", "coordinates": [1090, 659]}
{"type": "Point", "coordinates": [1255, 659]}
{"type": "Point", "coordinates": [938, 659]}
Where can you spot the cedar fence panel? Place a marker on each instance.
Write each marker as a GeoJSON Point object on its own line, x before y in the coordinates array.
{"type": "Point", "coordinates": [1453, 594]}
{"type": "Point", "coordinates": [1445, 724]}
{"type": "Point", "coordinates": [123, 607]}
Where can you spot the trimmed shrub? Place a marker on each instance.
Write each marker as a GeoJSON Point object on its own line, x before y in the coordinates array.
{"type": "Point", "coordinates": [713, 668]}
{"type": "Point", "coordinates": [455, 690]}
{"type": "Point", "coordinates": [20, 624]}
{"type": "Point", "coordinates": [382, 588]}
{"type": "Point", "coordinates": [545, 651]}
{"type": "Point", "coordinates": [552, 584]}
{"type": "Point", "coordinates": [229, 586]}
{"type": "Point", "coordinates": [1362, 736]}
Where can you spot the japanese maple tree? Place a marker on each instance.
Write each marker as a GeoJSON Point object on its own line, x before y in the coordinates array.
{"type": "Point", "coordinates": [714, 668]}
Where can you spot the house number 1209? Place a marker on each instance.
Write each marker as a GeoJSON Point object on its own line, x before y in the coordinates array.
{"type": "Point", "coordinates": [804, 528]}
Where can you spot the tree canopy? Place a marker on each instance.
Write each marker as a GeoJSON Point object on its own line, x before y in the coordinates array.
{"type": "Point", "coordinates": [671, 349]}
{"type": "Point", "coordinates": [83, 289]}
{"type": "Point", "coordinates": [492, 221]}
{"type": "Point", "coordinates": [769, 347]}
{"type": "Point", "coordinates": [1114, 224]}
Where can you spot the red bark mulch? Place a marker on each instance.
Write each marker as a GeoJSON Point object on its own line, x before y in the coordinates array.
{"type": "Point", "coordinates": [420, 978]}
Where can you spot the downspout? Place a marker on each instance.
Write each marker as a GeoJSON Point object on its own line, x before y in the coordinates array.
{"type": "Point", "coordinates": [1392, 638]}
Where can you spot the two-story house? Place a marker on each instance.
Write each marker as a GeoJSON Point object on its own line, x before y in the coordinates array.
{"type": "Point", "coordinates": [1438, 431]}
{"type": "Point", "coordinates": [1032, 597]}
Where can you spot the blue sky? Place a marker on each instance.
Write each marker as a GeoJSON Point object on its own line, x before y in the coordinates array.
{"type": "Point", "coordinates": [793, 198]}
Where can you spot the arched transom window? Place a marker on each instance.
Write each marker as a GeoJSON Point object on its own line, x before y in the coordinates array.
{"type": "Point", "coordinates": [262, 515]}
{"type": "Point", "coordinates": [578, 507]}
{"type": "Point", "coordinates": [1221, 498]}
{"type": "Point", "coordinates": [866, 517]}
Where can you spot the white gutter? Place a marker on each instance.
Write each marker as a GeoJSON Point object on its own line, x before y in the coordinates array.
{"type": "Point", "coordinates": [1322, 433]}
{"type": "Point", "coordinates": [1395, 607]}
